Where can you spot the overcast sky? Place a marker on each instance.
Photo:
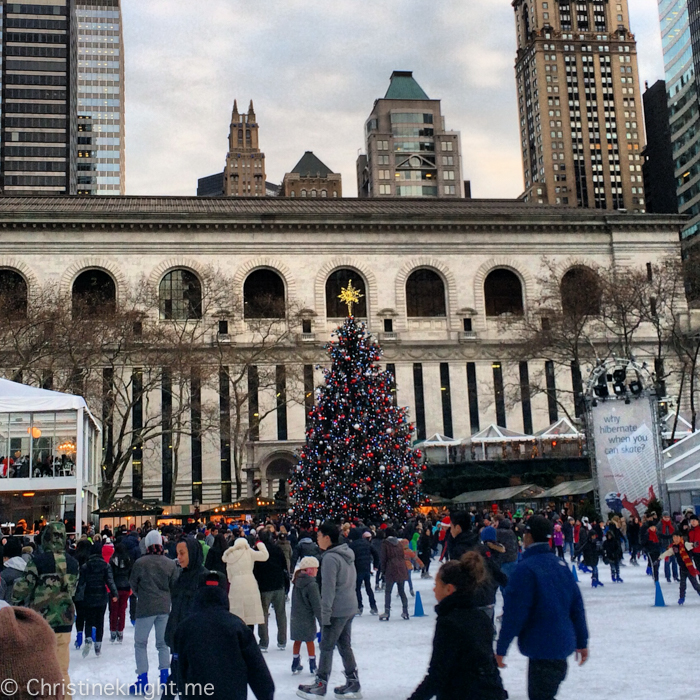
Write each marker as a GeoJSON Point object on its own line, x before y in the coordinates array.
{"type": "Point", "coordinates": [313, 69]}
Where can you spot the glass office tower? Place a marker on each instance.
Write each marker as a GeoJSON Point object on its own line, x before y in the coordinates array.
{"type": "Point", "coordinates": [680, 57]}
{"type": "Point", "coordinates": [37, 124]}
{"type": "Point", "coordinates": [101, 162]}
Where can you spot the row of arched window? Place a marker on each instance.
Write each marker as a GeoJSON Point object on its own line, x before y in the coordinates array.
{"type": "Point", "coordinates": [180, 293]}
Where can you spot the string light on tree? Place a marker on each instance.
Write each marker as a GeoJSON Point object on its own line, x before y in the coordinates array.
{"type": "Point", "coordinates": [357, 460]}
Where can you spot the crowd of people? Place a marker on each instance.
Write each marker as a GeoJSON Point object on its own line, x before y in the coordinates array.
{"type": "Point", "coordinates": [216, 582]}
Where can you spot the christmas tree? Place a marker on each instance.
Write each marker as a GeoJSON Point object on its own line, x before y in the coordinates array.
{"type": "Point", "coordinates": [357, 461]}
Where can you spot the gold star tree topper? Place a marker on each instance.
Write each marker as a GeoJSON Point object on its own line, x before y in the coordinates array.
{"type": "Point", "coordinates": [350, 296]}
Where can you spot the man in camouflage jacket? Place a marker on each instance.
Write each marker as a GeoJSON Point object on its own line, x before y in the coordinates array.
{"type": "Point", "coordinates": [48, 586]}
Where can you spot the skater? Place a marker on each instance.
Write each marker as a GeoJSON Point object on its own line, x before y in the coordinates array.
{"type": "Point", "coordinates": [376, 545]}
{"type": "Point", "coordinates": [152, 578]}
{"type": "Point", "coordinates": [558, 540]}
{"type": "Point", "coordinates": [462, 665]}
{"type": "Point", "coordinates": [613, 553]}
{"type": "Point", "coordinates": [680, 550]}
{"type": "Point", "coordinates": [200, 676]}
{"type": "Point", "coordinates": [425, 550]}
{"type": "Point", "coordinates": [649, 538]}
{"type": "Point", "coordinates": [591, 556]}
{"type": "Point", "coordinates": [191, 575]}
{"type": "Point", "coordinates": [665, 529]}
{"type": "Point", "coordinates": [244, 595]}
{"type": "Point", "coordinates": [461, 538]}
{"type": "Point", "coordinates": [694, 538]}
{"type": "Point", "coordinates": [543, 603]}
{"type": "Point", "coordinates": [48, 586]}
{"type": "Point", "coordinates": [633, 532]}
{"type": "Point", "coordinates": [13, 567]}
{"type": "Point", "coordinates": [412, 561]}
{"type": "Point", "coordinates": [306, 609]}
{"type": "Point", "coordinates": [121, 565]}
{"type": "Point", "coordinates": [272, 576]}
{"type": "Point", "coordinates": [338, 609]}
{"type": "Point", "coordinates": [306, 547]}
{"type": "Point", "coordinates": [393, 565]}
{"type": "Point", "coordinates": [364, 558]}
{"type": "Point", "coordinates": [95, 590]}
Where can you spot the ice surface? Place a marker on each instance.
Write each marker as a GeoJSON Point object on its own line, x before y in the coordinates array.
{"type": "Point", "coordinates": [638, 652]}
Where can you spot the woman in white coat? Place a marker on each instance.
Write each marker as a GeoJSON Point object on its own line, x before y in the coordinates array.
{"type": "Point", "coordinates": [244, 595]}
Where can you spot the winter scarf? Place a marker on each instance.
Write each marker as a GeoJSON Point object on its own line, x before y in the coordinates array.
{"type": "Point", "coordinates": [685, 558]}
{"type": "Point", "coordinates": [666, 527]}
{"type": "Point", "coordinates": [653, 536]}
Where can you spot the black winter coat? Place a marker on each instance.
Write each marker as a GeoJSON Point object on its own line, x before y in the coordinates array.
{"type": "Point", "coordinates": [376, 545]}
{"type": "Point", "coordinates": [462, 665]}
{"type": "Point", "coordinates": [612, 549]}
{"type": "Point", "coordinates": [425, 547]}
{"type": "Point", "coordinates": [121, 570]}
{"type": "Point", "coordinates": [183, 589]}
{"type": "Point", "coordinates": [242, 663]}
{"type": "Point", "coordinates": [131, 542]}
{"type": "Point", "coordinates": [214, 561]}
{"type": "Point", "coordinates": [633, 533]}
{"type": "Point", "coordinates": [364, 557]}
{"type": "Point", "coordinates": [589, 550]}
{"type": "Point", "coordinates": [94, 580]}
{"type": "Point", "coordinates": [305, 548]}
{"type": "Point", "coordinates": [271, 575]}
{"type": "Point", "coordinates": [506, 537]}
{"type": "Point", "coordinates": [463, 543]}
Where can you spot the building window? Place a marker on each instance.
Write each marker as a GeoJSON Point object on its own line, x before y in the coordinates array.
{"type": "Point", "coordinates": [503, 293]}
{"type": "Point", "coordinates": [180, 295]}
{"type": "Point", "coordinates": [499, 394]}
{"type": "Point", "coordinates": [473, 397]}
{"type": "Point", "coordinates": [580, 292]}
{"type": "Point", "coordinates": [450, 189]}
{"type": "Point", "coordinates": [94, 293]}
{"type": "Point", "coordinates": [419, 399]}
{"type": "Point", "coordinates": [384, 189]}
{"type": "Point", "coordinates": [13, 295]}
{"type": "Point", "coordinates": [324, 193]}
{"type": "Point", "coordinates": [446, 145]}
{"type": "Point", "coordinates": [263, 295]}
{"type": "Point", "coordinates": [337, 281]}
{"type": "Point", "coordinates": [425, 295]}
{"type": "Point", "coordinates": [303, 193]}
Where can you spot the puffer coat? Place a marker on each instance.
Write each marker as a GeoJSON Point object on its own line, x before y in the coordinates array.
{"type": "Point", "coordinates": [244, 595]}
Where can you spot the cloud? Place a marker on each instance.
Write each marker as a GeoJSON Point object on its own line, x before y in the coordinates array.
{"type": "Point", "coordinates": [313, 69]}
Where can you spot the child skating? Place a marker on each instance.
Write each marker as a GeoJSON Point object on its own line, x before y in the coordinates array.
{"type": "Point", "coordinates": [306, 609]}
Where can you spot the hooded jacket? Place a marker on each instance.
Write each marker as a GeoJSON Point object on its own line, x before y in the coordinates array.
{"type": "Point", "coordinates": [306, 547]}
{"type": "Point", "coordinates": [244, 595]}
{"type": "Point", "coordinates": [462, 665]}
{"type": "Point", "coordinates": [152, 578]}
{"type": "Point", "coordinates": [506, 537]}
{"type": "Point", "coordinates": [362, 549]}
{"type": "Point", "coordinates": [94, 580]}
{"type": "Point", "coordinates": [14, 570]}
{"type": "Point", "coordinates": [306, 608]}
{"type": "Point", "coordinates": [338, 597]}
{"type": "Point", "coordinates": [271, 574]}
{"type": "Point", "coordinates": [466, 541]}
{"type": "Point", "coordinates": [184, 588]}
{"type": "Point", "coordinates": [241, 666]}
{"type": "Point", "coordinates": [393, 561]}
{"type": "Point", "coordinates": [50, 580]}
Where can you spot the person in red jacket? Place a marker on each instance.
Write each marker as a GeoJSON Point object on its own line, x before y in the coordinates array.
{"type": "Point", "coordinates": [665, 529]}
{"type": "Point", "coordinates": [694, 538]}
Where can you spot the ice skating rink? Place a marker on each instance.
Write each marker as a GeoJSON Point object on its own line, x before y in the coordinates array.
{"type": "Point", "coordinates": [638, 652]}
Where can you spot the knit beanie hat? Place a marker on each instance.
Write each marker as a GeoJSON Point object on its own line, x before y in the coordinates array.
{"type": "Point", "coordinates": [309, 563]}
{"type": "Point", "coordinates": [29, 654]}
{"type": "Point", "coordinates": [153, 537]}
{"type": "Point", "coordinates": [488, 534]}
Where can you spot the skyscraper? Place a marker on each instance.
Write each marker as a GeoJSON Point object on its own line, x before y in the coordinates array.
{"type": "Point", "coordinates": [580, 108]}
{"type": "Point", "coordinates": [38, 125]}
{"type": "Point", "coordinates": [244, 174]}
{"type": "Point", "coordinates": [680, 38]}
{"type": "Point", "coordinates": [101, 124]}
{"type": "Point", "coordinates": [409, 152]}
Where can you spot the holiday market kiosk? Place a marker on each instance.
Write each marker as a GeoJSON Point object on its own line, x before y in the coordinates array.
{"type": "Point", "coordinates": [49, 458]}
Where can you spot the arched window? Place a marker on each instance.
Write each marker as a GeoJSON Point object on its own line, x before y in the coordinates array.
{"type": "Point", "coordinates": [334, 284]}
{"type": "Point", "coordinates": [324, 193]}
{"type": "Point", "coordinates": [240, 136]}
{"type": "Point", "coordinates": [503, 293]}
{"type": "Point", "coordinates": [580, 292]}
{"type": "Point", "coordinates": [94, 293]}
{"type": "Point", "coordinates": [313, 193]}
{"type": "Point", "coordinates": [180, 294]}
{"type": "Point", "coordinates": [425, 294]}
{"type": "Point", "coordinates": [263, 295]}
{"type": "Point", "coordinates": [13, 295]}
{"type": "Point", "coordinates": [303, 193]}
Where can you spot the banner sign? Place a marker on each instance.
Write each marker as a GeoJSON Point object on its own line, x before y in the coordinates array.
{"type": "Point", "coordinates": [626, 454]}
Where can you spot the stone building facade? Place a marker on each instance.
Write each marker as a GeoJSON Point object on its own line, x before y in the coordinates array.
{"type": "Point", "coordinates": [435, 274]}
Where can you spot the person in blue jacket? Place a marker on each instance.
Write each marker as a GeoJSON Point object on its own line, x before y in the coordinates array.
{"type": "Point", "coordinates": [543, 608]}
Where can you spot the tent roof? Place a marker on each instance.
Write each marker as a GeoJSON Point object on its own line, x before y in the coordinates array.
{"type": "Point", "coordinates": [16, 397]}
{"type": "Point", "coordinates": [503, 494]}
{"type": "Point", "coordinates": [438, 440]}
{"type": "Point", "coordinates": [570, 488]}
{"type": "Point", "coordinates": [563, 428]}
{"type": "Point", "coordinates": [496, 433]}
{"type": "Point", "coordinates": [683, 427]}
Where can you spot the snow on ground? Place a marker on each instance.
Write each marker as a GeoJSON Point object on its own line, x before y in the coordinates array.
{"type": "Point", "coordinates": [638, 651]}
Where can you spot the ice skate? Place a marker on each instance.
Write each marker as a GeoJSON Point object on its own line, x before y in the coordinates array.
{"type": "Point", "coordinates": [79, 640]}
{"type": "Point", "coordinates": [405, 615]}
{"type": "Point", "coordinates": [359, 612]}
{"type": "Point", "coordinates": [312, 665]}
{"type": "Point", "coordinates": [112, 637]}
{"type": "Point", "coordinates": [87, 647]}
{"type": "Point", "coordinates": [317, 689]}
{"type": "Point", "coordinates": [384, 617]}
{"type": "Point", "coordinates": [351, 689]}
{"type": "Point", "coordinates": [681, 601]}
{"type": "Point", "coordinates": [98, 648]}
{"type": "Point", "coordinates": [140, 686]}
{"type": "Point", "coordinates": [374, 611]}
{"type": "Point", "coordinates": [296, 666]}
{"type": "Point", "coordinates": [120, 637]}
{"type": "Point", "coordinates": [281, 647]}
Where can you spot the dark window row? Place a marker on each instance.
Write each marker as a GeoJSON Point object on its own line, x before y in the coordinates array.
{"type": "Point", "coordinates": [37, 166]}
{"type": "Point", "coordinates": [35, 80]}
{"type": "Point", "coordinates": [21, 23]}
{"type": "Point", "coordinates": [87, 167]}
{"type": "Point", "coordinates": [40, 108]}
{"type": "Point", "coordinates": [86, 180]}
{"type": "Point", "coordinates": [30, 123]}
{"type": "Point", "coordinates": [22, 9]}
{"type": "Point", "coordinates": [43, 51]}
{"type": "Point", "coordinates": [36, 66]}
{"type": "Point", "coordinates": [35, 137]}
{"type": "Point", "coordinates": [35, 38]}
{"type": "Point", "coordinates": [35, 151]}
{"type": "Point", "coordinates": [16, 94]}
{"type": "Point", "coordinates": [34, 181]}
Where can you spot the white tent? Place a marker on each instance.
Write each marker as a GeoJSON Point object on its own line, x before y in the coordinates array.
{"type": "Point", "coordinates": [683, 427]}
{"type": "Point", "coordinates": [440, 441]}
{"type": "Point", "coordinates": [16, 397]}
{"type": "Point", "coordinates": [497, 433]}
{"type": "Point", "coordinates": [561, 429]}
